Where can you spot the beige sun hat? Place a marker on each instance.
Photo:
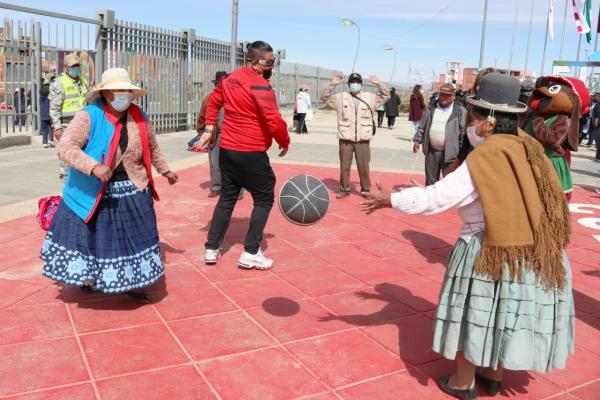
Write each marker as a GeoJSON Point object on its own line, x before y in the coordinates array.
{"type": "Point", "coordinates": [116, 79]}
{"type": "Point", "coordinates": [72, 59]}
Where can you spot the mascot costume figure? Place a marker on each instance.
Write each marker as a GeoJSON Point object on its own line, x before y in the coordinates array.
{"type": "Point", "coordinates": [556, 105]}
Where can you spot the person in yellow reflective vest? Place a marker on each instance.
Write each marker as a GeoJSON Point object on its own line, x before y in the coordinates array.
{"type": "Point", "coordinates": [67, 97]}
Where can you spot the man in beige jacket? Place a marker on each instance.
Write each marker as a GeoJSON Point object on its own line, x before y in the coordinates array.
{"type": "Point", "coordinates": [355, 110]}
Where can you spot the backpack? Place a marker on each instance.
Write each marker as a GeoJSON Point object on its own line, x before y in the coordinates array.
{"type": "Point", "coordinates": [47, 209]}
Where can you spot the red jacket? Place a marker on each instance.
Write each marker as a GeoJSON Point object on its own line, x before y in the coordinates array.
{"type": "Point", "coordinates": [252, 118]}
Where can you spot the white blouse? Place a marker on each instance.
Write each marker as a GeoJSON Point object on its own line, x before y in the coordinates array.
{"type": "Point", "coordinates": [456, 190]}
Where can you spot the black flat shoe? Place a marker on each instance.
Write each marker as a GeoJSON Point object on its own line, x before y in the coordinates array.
{"type": "Point", "coordinates": [468, 394]}
{"type": "Point", "coordinates": [140, 297]}
{"type": "Point", "coordinates": [86, 289]}
{"type": "Point", "coordinates": [491, 386]}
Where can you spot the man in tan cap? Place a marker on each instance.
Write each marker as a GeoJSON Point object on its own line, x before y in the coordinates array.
{"type": "Point", "coordinates": [440, 133]}
{"type": "Point", "coordinates": [67, 97]}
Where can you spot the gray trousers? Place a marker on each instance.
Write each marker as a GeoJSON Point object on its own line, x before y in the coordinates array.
{"type": "Point", "coordinates": [362, 152]}
{"type": "Point", "coordinates": [213, 161]}
{"type": "Point", "coordinates": [434, 164]}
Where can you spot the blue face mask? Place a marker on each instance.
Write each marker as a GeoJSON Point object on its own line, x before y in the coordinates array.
{"type": "Point", "coordinates": [355, 87]}
{"type": "Point", "coordinates": [75, 72]}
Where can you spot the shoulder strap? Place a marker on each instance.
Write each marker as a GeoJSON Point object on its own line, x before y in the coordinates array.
{"type": "Point", "coordinates": [362, 101]}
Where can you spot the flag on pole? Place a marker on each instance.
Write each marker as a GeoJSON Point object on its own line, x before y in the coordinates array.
{"type": "Point", "coordinates": [580, 21]}
{"type": "Point", "coordinates": [588, 12]}
{"type": "Point", "coordinates": [551, 19]}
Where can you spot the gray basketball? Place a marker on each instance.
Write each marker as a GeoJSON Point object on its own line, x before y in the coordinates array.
{"type": "Point", "coordinates": [303, 199]}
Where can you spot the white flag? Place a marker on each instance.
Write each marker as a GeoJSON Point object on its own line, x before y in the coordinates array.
{"type": "Point", "coordinates": [551, 19]}
{"type": "Point", "coordinates": [580, 22]}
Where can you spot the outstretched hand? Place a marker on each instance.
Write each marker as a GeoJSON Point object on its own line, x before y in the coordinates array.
{"type": "Point", "coordinates": [375, 201]}
{"type": "Point", "coordinates": [374, 80]}
{"type": "Point", "coordinates": [337, 79]}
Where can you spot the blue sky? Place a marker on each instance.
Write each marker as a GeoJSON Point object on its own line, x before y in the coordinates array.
{"type": "Point", "coordinates": [426, 32]}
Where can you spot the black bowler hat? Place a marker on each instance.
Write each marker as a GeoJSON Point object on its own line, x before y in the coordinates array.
{"type": "Point", "coordinates": [219, 75]}
{"type": "Point", "coordinates": [355, 76]}
{"type": "Point", "coordinates": [498, 92]}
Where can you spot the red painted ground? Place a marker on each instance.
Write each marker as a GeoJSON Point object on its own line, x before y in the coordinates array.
{"type": "Point", "coordinates": [345, 314]}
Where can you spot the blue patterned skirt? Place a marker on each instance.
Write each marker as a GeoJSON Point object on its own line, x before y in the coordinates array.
{"type": "Point", "coordinates": [118, 249]}
{"type": "Point", "coordinates": [517, 325]}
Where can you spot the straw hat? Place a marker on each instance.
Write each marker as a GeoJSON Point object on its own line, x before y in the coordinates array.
{"type": "Point", "coordinates": [116, 79]}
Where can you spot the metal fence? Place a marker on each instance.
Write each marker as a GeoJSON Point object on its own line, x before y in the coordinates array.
{"type": "Point", "coordinates": [176, 67]}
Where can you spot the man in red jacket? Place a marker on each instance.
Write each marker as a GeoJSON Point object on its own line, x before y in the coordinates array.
{"type": "Point", "coordinates": [252, 120]}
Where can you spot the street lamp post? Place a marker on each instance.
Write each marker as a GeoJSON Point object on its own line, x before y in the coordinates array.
{"type": "Point", "coordinates": [387, 47]}
{"type": "Point", "coordinates": [349, 22]}
{"type": "Point", "coordinates": [409, 69]}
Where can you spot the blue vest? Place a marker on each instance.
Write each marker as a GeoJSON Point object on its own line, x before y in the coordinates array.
{"type": "Point", "coordinates": [81, 191]}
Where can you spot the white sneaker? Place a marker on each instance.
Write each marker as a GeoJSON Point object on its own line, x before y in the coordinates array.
{"type": "Point", "coordinates": [211, 256]}
{"type": "Point", "coordinates": [258, 261]}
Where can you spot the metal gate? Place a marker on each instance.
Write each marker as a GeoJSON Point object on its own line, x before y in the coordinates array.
{"type": "Point", "coordinates": [176, 67]}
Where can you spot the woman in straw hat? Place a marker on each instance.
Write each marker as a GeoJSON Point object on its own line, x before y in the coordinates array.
{"type": "Point", "coordinates": [506, 300]}
{"type": "Point", "coordinates": [104, 236]}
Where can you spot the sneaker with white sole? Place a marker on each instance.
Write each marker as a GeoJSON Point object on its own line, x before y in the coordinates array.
{"type": "Point", "coordinates": [211, 256]}
{"type": "Point", "coordinates": [255, 261]}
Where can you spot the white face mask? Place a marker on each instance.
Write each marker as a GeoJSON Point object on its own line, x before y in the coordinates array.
{"type": "Point", "coordinates": [355, 87]}
{"type": "Point", "coordinates": [121, 101]}
{"type": "Point", "coordinates": [474, 138]}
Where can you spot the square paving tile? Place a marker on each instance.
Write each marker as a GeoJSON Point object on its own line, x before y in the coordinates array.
{"type": "Point", "coordinates": [14, 291]}
{"type": "Point", "coordinates": [587, 392]}
{"type": "Point", "coordinates": [582, 367]}
{"type": "Point", "coordinates": [131, 350]}
{"type": "Point", "coordinates": [218, 335]}
{"type": "Point", "coordinates": [338, 254]}
{"type": "Point", "coordinates": [191, 301]}
{"type": "Point", "coordinates": [365, 308]}
{"type": "Point", "coordinates": [295, 320]}
{"type": "Point", "coordinates": [111, 313]}
{"type": "Point", "coordinates": [270, 374]}
{"type": "Point", "coordinates": [295, 260]}
{"type": "Point", "coordinates": [421, 294]}
{"type": "Point", "coordinates": [322, 281]}
{"type": "Point", "coordinates": [378, 271]}
{"type": "Point", "coordinates": [37, 365]}
{"type": "Point", "coordinates": [77, 392]}
{"type": "Point", "coordinates": [27, 324]}
{"type": "Point", "coordinates": [401, 385]}
{"type": "Point", "coordinates": [411, 338]}
{"type": "Point", "coordinates": [345, 357]}
{"type": "Point", "coordinates": [170, 383]}
{"type": "Point", "coordinates": [253, 292]}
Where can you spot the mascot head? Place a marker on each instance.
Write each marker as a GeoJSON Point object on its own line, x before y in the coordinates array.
{"type": "Point", "coordinates": [554, 95]}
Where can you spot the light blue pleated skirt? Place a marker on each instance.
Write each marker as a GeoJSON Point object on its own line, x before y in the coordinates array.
{"type": "Point", "coordinates": [517, 325]}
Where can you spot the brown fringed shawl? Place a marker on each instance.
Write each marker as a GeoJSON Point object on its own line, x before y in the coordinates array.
{"type": "Point", "coordinates": [525, 212]}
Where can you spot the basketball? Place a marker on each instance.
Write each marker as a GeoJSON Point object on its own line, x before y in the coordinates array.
{"type": "Point", "coordinates": [303, 200]}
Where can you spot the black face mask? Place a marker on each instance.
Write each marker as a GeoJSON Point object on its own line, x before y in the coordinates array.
{"type": "Point", "coordinates": [267, 73]}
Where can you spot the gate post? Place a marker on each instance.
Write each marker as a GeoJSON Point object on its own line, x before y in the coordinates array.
{"type": "Point", "coordinates": [108, 19]}
{"type": "Point", "coordinates": [318, 91]}
{"type": "Point", "coordinates": [185, 109]}
{"type": "Point", "coordinates": [36, 29]}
